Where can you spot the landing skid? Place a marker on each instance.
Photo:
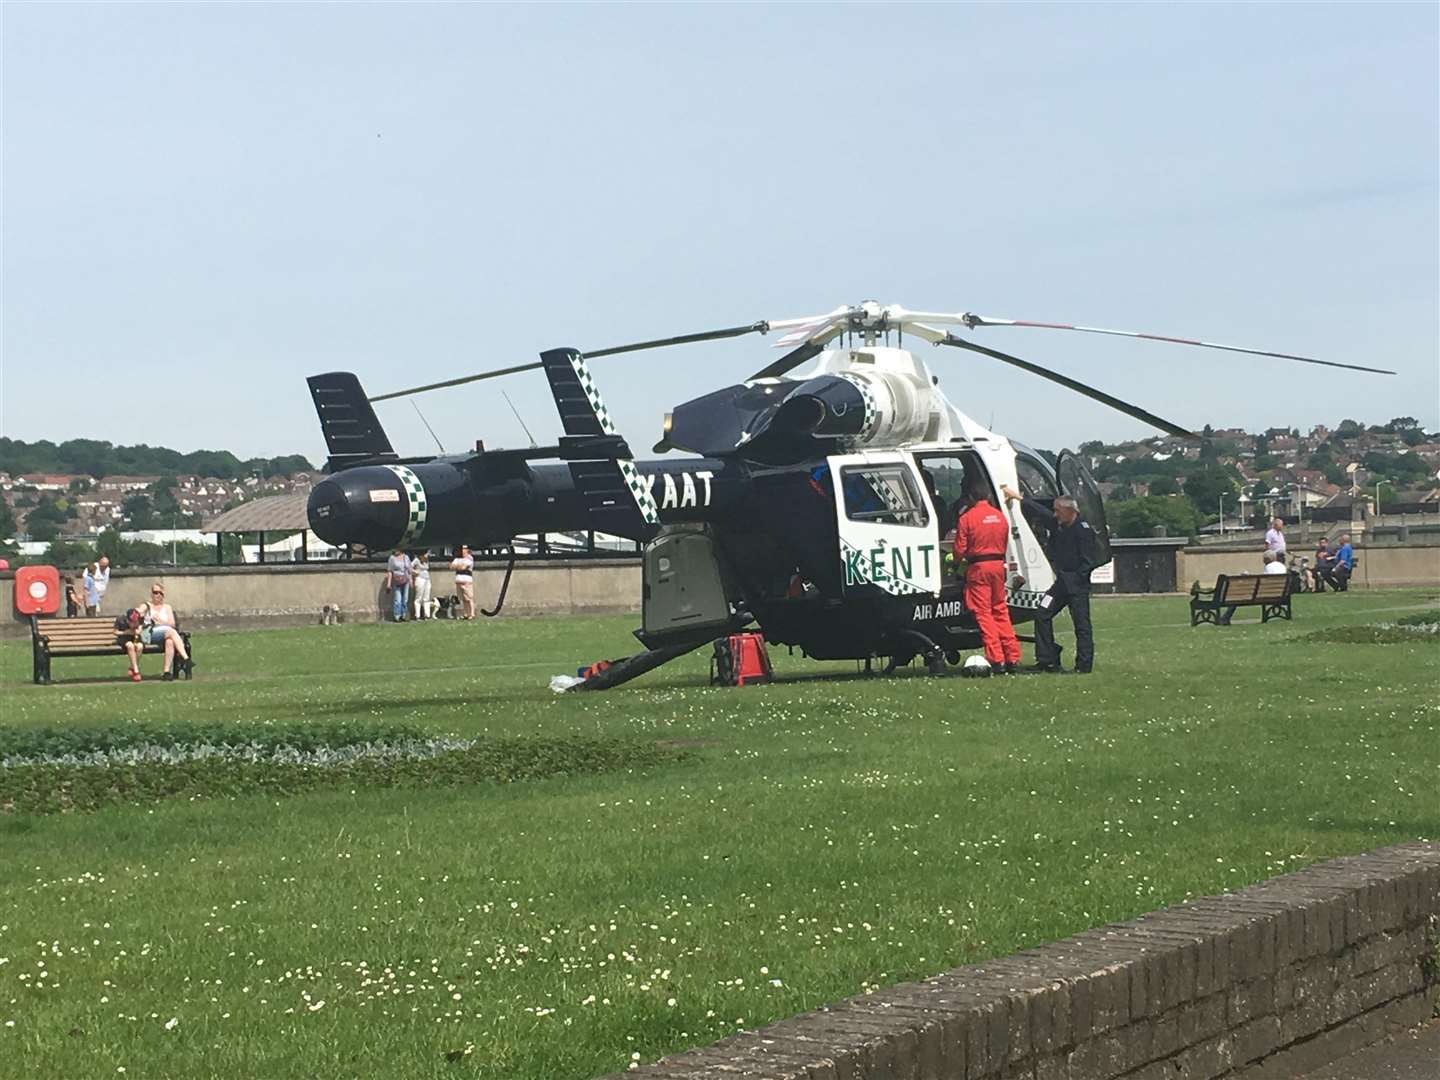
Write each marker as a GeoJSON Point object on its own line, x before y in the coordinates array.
{"type": "Point", "coordinates": [632, 667]}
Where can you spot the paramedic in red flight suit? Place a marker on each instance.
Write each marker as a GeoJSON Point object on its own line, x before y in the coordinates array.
{"type": "Point", "coordinates": [981, 536]}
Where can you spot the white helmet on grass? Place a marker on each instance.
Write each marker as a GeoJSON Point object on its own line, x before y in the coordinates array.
{"type": "Point", "coordinates": [976, 667]}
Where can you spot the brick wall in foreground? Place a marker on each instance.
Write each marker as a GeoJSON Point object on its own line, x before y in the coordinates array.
{"type": "Point", "coordinates": [1274, 979]}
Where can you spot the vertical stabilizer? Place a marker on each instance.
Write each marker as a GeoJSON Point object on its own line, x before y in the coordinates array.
{"type": "Point", "coordinates": [347, 419]}
{"type": "Point", "coordinates": [618, 496]}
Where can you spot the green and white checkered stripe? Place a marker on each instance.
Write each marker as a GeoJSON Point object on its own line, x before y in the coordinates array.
{"type": "Point", "coordinates": [592, 392]}
{"type": "Point", "coordinates": [872, 412]}
{"type": "Point", "coordinates": [639, 490]}
{"type": "Point", "coordinates": [415, 503]}
{"type": "Point", "coordinates": [1023, 598]}
{"type": "Point", "coordinates": [895, 499]}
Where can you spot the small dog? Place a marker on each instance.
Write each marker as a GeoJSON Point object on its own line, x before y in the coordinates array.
{"type": "Point", "coordinates": [330, 615]}
{"type": "Point", "coordinates": [446, 607]}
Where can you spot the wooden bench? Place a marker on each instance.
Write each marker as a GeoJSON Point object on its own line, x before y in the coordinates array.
{"type": "Point", "coordinates": [95, 636]}
{"type": "Point", "coordinates": [1270, 592]}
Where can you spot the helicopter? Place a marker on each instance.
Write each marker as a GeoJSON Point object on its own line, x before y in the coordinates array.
{"type": "Point", "coordinates": [815, 504]}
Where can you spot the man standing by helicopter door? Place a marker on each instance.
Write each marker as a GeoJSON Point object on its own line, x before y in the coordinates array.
{"type": "Point", "coordinates": [1072, 551]}
{"type": "Point", "coordinates": [981, 537]}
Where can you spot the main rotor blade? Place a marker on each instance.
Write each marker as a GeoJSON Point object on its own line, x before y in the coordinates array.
{"type": "Point", "coordinates": [808, 349]}
{"type": "Point", "coordinates": [1072, 384]}
{"type": "Point", "coordinates": [973, 321]}
{"type": "Point", "coordinates": [792, 359]}
{"type": "Point", "coordinates": [457, 382]}
{"type": "Point", "coordinates": [682, 339]}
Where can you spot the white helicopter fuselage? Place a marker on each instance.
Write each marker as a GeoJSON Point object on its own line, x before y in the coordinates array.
{"type": "Point", "coordinates": [912, 430]}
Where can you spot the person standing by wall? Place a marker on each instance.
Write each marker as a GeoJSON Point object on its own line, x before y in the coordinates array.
{"type": "Point", "coordinates": [1073, 553]}
{"type": "Point", "coordinates": [420, 571]}
{"type": "Point", "coordinates": [1275, 539]}
{"type": "Point", "coordinates": [74, 598]}
{"type": "Point", "coordinates": [397, 580]}
{"type": "Point", "coordinates": [981, 537]}
{"type": "Point", "coordinates": [96, 580]}
{"type": "Point", "coordinates": [464, 566]}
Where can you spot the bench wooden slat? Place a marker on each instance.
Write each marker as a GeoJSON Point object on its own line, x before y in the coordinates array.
{"type": "Point", "coordinates": [1272, 586]}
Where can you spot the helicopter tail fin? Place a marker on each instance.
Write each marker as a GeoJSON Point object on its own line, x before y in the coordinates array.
{"type": "Point", "coordinates": [601, 464]}
{"type": "Point", "coordinates": [347, 419]}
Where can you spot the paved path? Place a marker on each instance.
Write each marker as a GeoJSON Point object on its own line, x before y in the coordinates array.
{"type": "Point", "coordinates": [1415, 1055]}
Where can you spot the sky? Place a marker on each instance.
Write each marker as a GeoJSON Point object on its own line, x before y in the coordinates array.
{"type": "Point", "coordinates": [203, 204]}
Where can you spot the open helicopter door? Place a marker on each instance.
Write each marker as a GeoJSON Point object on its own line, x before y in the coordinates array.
{"type": "Point", "coordinates": [889, 539]}
{"type": "Point", "coordinates": [1076, 481]}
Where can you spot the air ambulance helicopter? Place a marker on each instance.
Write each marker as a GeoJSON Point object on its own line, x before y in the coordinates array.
{"type": "Point", "coordinates": [815, 506]}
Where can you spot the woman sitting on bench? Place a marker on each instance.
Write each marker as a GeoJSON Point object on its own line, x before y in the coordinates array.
{"type": "Point", "coordinates": [157, 625]}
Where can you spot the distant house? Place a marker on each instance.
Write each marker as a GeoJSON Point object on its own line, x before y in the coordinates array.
{"type": "Point", "coordinates": [1303, 495]}
{"type": "Point", "coordinates": [125, 483]}
{"type": "Point", "coordinates": [46, 481]}
{"type": "Point", "coordinates": [1414, 501]}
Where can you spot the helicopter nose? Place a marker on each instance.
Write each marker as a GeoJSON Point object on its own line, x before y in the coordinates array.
{"type": "Point", "coordinates": [366, 506]}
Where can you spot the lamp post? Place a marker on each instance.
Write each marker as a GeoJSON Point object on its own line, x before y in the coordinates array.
{"type": "Point", "coordinates": [1222, 514]}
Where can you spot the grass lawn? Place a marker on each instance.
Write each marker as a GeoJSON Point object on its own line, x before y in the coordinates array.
{"type": "Point", "coordinates": [795, 844]}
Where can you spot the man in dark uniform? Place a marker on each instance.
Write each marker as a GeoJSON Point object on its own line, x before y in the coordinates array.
{"type": "Point", "coordinates": [1073, 553]}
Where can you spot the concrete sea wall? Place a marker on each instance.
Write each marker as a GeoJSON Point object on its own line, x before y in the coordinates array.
{"type": "Point", "coordinates": [292, 594]}
{"type": "Point", "coordinates": [1381, 565]}
{"type": "Point", "coordinates": [1270, 981]}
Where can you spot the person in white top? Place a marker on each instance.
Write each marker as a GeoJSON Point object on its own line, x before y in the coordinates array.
{"type": "Point", "coordinates": [420, 587]}
{"type": "Point", "coordinates": [1275, 539]}
{"type": "Point", "coordinates": [157, 624]}
{"type": "Point", "coordinates": [464, 566]}
{"type": "Point", "coordinates": [96, 580]}
{"type": "Point", "coordinates": [1275, 564]}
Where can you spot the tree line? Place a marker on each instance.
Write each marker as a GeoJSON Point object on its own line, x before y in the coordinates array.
{"type": "Point", "coordinates": [99, 459]}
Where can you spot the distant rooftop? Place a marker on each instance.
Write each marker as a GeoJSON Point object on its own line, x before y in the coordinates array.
{"type": "Point", "coordinates": [274, 513]}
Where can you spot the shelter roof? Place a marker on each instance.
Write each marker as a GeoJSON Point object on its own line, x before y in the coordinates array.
{"type": "Point", "coordinates": [274, 513]}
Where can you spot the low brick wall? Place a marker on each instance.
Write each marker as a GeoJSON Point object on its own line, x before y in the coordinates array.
{"type": "Point", "coordinates": [291, 594]}
{"type": "Point", "coordinates": [1272, 980]}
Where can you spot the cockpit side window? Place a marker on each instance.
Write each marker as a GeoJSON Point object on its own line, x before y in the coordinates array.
{"type": "Point", "coordinates": [1036, 479]}
{"type": "Point", "coordinates": [882, 493]}
{"type": "Point", "coordinates": [951, 473]}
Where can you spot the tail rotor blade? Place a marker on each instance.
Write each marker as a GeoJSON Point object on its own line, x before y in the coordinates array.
{"type": "Point", "coordinates": [974, 321]}
{"type": "Point", "coordinates": [1072, 384]}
